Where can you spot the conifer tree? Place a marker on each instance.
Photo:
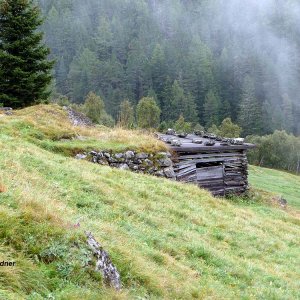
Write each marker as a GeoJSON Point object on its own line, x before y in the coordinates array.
{"type": "Point", "coordinates": [25, 72]}
{"type": "Point", "coordinates": [250, 116]}
{"type": "Point", "coordinates": [288, 117]}
{"type": "Point", "coordinates": [211, 109]}
{"type": "Point", "coordinates": [158, 71]}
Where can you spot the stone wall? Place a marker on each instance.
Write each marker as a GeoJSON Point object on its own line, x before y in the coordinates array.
{"type": "Point", "coordinates": [158, 164]}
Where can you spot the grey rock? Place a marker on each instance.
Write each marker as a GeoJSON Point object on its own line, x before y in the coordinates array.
{"type": "Point", "coordinates": [138, 161]}
{"type": "Point", "coordinates": [142, 155]}
{"type": "Point", "coordinates": [199, 132]}
{"type": "Point", "coordinates": [182, 134]}
{"type": "Point", "coordinates": [112, 160]}
{"type": "Point", "coordinates": [119, 155]}
{"type": "Point", "coordinates": [129, 154]}
{"type": "Point", "coordinates": [6, 109]}
{"type": "Point", "coordinates": [151, 170]}
{"type": "Point", "coordinates": [106, 154]}
{"type": "Point", "coordinates": [148, 162]}
{"type": "Point", "coordinates": [176, 142]}
{"type": "Point", "coordinates": [197, 141]}
{"type": "Point", "coordinates": [238, 141]}
{"type": "Point", "coordinates": [209, 143]}
{"type": "Point", "coordinates": [169, 172]}
{"type": "Point", "coordinates": [80, 156]}
{"type": "Point", "coordinates": [104, 265]}
{"type": "Point", "coordinates": [94, 153]}
{"type": "Point", "coordinates": [123, 167]}
{"type": "Point", "coordinates": [77, 118]}
{"type": "Point", "coordinates": [103, 162]}
{"type": "Point", "coordinates": [159, 174]}
{"type": "Point", "coordinates": [165, 162]}
{"type": "Point", "coordinates": [171, 131]}
{"type": "Point", "coordinates": [100, 155]}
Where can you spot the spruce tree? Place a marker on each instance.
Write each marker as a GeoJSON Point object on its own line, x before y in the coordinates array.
{"type": "Point", "coordinates": [250, 116]}
{"type": "Point", "coordinates": [25, 72]}
{"type": "Point", "coordinates": [212, 109]}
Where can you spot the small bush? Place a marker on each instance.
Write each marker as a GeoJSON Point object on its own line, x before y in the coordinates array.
{"type": "Point", "coordinates": [148, 113]}
{"type": "Point", "coordinates": [182, 126]}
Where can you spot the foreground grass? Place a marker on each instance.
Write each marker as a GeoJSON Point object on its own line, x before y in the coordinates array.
{"type": "Point", "coordinates": [169, 240]}
{"type": "Point", "coordinates": [279, 182]}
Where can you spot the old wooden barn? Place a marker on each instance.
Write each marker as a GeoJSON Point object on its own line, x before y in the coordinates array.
{"type": "Point", "coordinates": [219, 165]}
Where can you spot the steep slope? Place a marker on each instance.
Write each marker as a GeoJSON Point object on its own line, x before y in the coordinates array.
{"type": "Point", "coordinates": [169, 240]}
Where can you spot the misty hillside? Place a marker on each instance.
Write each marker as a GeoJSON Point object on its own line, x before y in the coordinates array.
{"type": "Point", "coordinates": [168, 240]}
{"type": "Point", "coordinates": [206, 60]}
{"type": "Point", "coordinates": [133, 140]}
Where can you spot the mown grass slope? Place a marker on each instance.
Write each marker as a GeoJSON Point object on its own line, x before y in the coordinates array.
{"type": "Point", "coordinates": [169, 240]}
{"type": "Point", "coordinates": [280, 182]}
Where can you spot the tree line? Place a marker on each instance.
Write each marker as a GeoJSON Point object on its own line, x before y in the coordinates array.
{"type": "Point", "coordinates": [166, 51]}
{"type": "Point", "coordinates": [179, 53]}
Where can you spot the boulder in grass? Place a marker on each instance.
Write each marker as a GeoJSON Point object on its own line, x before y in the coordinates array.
{"type": "Point", "coordinates": [80, 156]}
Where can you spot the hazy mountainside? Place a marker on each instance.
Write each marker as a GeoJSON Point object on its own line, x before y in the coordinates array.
{"type": "Point", "coordinates": [169, 240]}
{"type": "Point", "coordinates": [216, 59]}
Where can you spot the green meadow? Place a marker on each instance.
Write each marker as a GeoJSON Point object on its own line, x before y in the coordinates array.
{"type": "Point", "coordinates": [168, 240]}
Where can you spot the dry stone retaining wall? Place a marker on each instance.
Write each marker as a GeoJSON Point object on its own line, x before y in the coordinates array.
{"type": "Point", "coordinates": [158, 164]}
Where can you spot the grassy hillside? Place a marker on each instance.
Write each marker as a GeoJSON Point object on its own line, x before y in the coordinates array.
{"type": "Point", "coordinates": [285, 184]}
{"type": "Point", "coordinates": [169, 240]}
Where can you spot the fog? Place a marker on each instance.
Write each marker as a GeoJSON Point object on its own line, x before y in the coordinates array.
{"type": "Point", "coordinates": [259, 38]}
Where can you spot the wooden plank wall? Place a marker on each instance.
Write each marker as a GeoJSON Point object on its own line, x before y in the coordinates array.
{"type": "Point", "coordinates": [220, 172]}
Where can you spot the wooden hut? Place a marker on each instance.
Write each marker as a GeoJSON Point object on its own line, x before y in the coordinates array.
{"type": "Point", "coordinates": [219, 165]}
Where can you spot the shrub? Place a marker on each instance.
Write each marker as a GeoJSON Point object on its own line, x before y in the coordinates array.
{"type": "Point", "coordinates": [229, 129]}
{"type": "Point", "coordinates": [126, 115]}
{"type": "Point", "coordinates": [198, 128]}
{"type": "Point", "coordinates": [148, 113]}
{"type": "Point", "coordinates": [278, 150]}
{"type": "Point", "coordinates": [182, 126]}
{"type": "Point", "coordinates": [94, 108]}
{"type": "Point", "coordinates": [214, 129]}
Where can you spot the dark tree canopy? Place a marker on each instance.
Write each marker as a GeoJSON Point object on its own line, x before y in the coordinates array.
{"type": "Point", "coordinates": [25, 72]}
{"type": "Point", "coordinates": [206, 60]}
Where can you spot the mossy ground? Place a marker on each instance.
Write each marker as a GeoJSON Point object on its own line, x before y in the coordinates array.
{"type": "Point", "coordinates": [169, 240]}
